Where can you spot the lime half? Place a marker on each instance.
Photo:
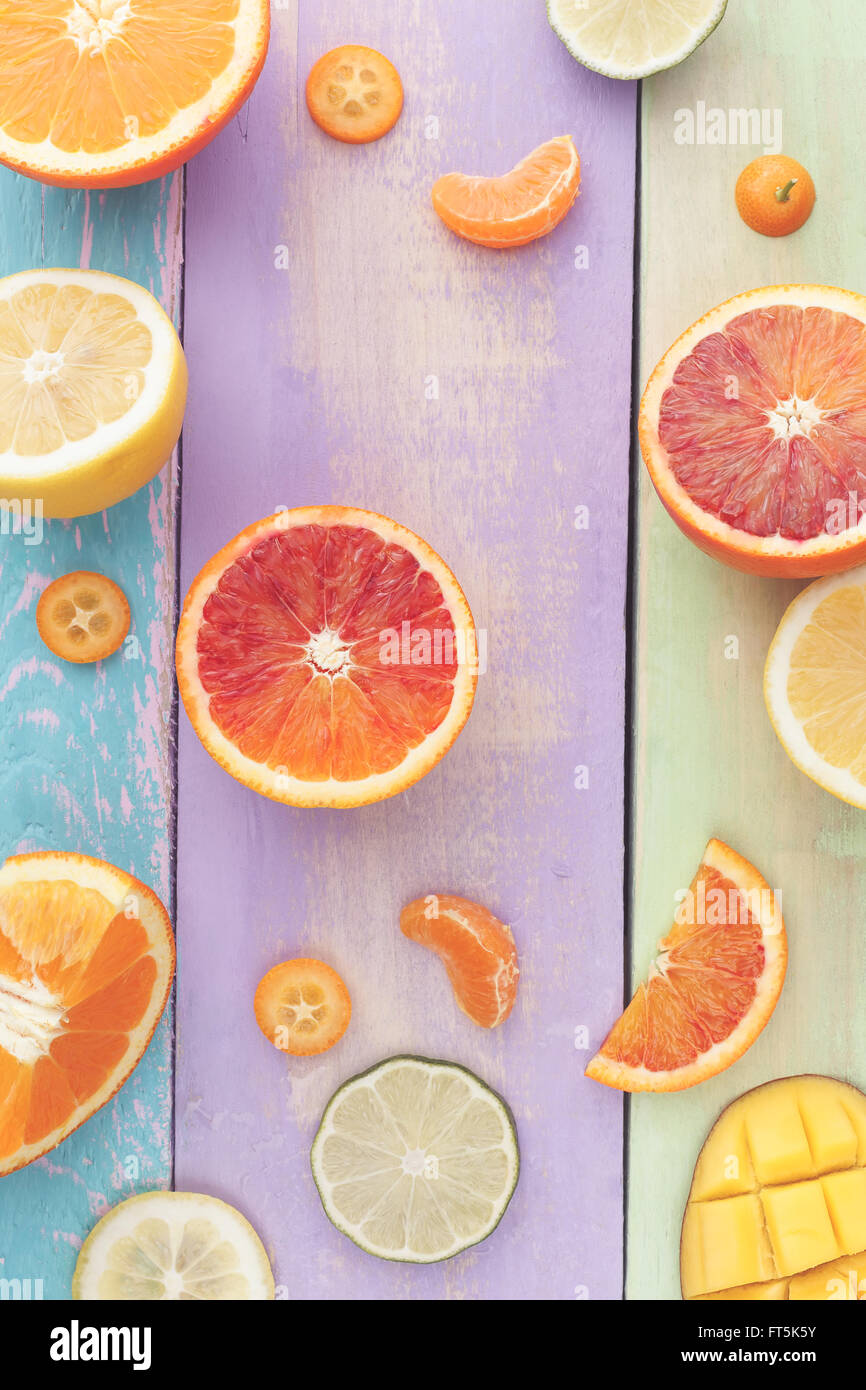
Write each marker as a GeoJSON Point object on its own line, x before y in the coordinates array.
{"type": "Point", "coordinates": [633, 38]}
{"type": "Point", "coordinates": [415, 1160]}
{"type": "Point", "coordinates": [172, 1246]}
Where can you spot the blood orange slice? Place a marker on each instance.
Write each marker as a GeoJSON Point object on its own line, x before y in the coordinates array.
{"type": "Point", "coordinates": [753, 428]}
{"type": "Point", "coordinates": [104, 93]}
{"type": "Point", "coordinates": [86, 962]}
{"type": "Point", "coordinates": [327, 657]}
{"type": "Point", "coordinates": [477, 950]}
{"type": "Point", "coordinates": [712, 988]}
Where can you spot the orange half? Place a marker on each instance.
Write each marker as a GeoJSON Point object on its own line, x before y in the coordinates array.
{"type": "Point", "coordinates": [327, 657]}
{"type": "Point", "coordinates": [517, 207]}
{"type": "Point", "coordinates": [104, 93]}
{"type": "Point", "coordinates": [712, 988]}
{"type": "Point", "coordinates": [86, 963]}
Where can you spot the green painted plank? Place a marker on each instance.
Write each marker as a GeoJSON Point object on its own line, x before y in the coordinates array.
{"type": "Point", "coordinates": [86, 762]}
{"type": "Point", "coordinates": [706, 759]}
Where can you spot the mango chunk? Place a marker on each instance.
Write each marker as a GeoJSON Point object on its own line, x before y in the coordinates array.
{"type": "Point", "coordinates": [845, 1195]}
{"type": "Point", "coordinates": [777, 1208]}
{"type": "Point", "coordinates": [799, 1224]}
{"type": "Point", "coordinates": [729, 1244]}
{"type": "Point", "coordinates": [777, 1139]}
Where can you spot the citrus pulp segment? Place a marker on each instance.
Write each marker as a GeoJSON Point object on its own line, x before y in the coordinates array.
{"type": "Point", "coordinates": [327, 657]}
{"type": "Point", "coordinates": [127, 89]}
{"type": "Point", "coordinates": [173, 1246]}
{"type": "Point", "coordinates": [477, 950]}
{"type": "Point", "coordinates": [712, 988]}
{"type": "Point", "coordinates": [415, 1160]}
{"type": "Point", "coordinates": [633, 38]}
{"type": "Point", "coordinates": [82, 616]}
{"type": "Point", "coordinates": [815, 683]}
{"type": "Point", "coordinates": [86, 963]}
{"type": "Point", "coordinates": [514, 208]}
{"type": "Point", "coordinates": [753, 429]}
{"type": "Point", "coordinates": [777, 1207]}
{"type": "Point", "coordinates": [92, 389]}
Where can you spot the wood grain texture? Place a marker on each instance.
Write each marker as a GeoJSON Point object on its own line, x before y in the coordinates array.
{"type": "Point", "coordinates": [86, 757]}
{"type": "Point", "coordinates": [707, 761]}
{"type": "Point", "coordinates": [480, 398]}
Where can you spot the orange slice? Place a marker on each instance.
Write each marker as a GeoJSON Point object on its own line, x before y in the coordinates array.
{"type": "Point", "coordinates": [712, 988]}
{"type": "Point", "coordinates": [82, 616]}
{"type": "Point", "coordinates": [515, 208]}
{"type": "Point", "coordinates": [354, 94]}
{"type": "Point", "coordinates": [104, 93]}
{"type": "Point", "coordinates": [327, 657]}
{"type": "Point", "coordinates": [86, 963]}
{"type": "Point", "coordinates": [477, 950]}
{"type": "Point", "coordinates": [753, 428]}
{"type": "Point", "coordinates": [302, 1007]}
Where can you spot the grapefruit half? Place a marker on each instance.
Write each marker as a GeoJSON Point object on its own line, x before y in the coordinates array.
{"type": "Point", "coordinates": [327, 657]}
{"type": "Point", "coordinates": [86, 963]}
{"type": "Point", "coordinates": [753, 428]}
{"type": "Point", "coordinates": [712, 987]}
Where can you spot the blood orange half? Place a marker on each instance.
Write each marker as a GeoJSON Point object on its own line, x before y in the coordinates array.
{"type": "Point", "coordinates": [327, 657]}
{"type": "Point", "coordinates": [753, 428]}
{"type": "Point", "coordinates": [712, 988]}
{"type": "Point", "coordinates": [86, 962]}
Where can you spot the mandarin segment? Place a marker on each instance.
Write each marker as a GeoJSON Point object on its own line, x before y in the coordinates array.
{"type": "Point", "coordinates": [477, 950]}
{"type": "Point", "coordinates": [515, 208]}
{"type": "Point", "coordinates": [809, 1181]}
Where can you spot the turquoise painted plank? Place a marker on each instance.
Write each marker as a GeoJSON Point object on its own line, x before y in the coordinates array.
{"type": "Point", "coordinates": [86, 750]}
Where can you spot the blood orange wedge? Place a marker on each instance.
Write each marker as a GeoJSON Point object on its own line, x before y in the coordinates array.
{"type": "Point", "coordinates": [327, 657]}
{"type": "Point", "coordinates": [477, 950]}
{"type": "Point", "coordinates": [711, 989]}
{"type": "Point", "coordinates": [86, 962]}
{"type": "Point", "coordinates": [517, 207]}
{"type": "Point", "coordinates": [753, 428]}
{"type": "Point", "coordinates": [104, 93]}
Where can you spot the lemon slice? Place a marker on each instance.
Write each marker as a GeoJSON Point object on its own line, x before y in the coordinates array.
{"type": "Point", "coordinates": [415, 1160]}
{"type": "Point", "coordinates": [92, 389]}
{"type": "Point", "coordinates": [815, 683]}
{"type": "Point", "coordinates": [633, 38]}
{"type": "Point", "coordinates": [177, 1246]}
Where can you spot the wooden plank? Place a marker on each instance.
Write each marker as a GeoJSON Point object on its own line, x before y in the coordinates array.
{"type": "Point", "coordinates": [480, 398]}
{"type": "Point", "coordinates": [86, 762]}
{"type": "Point", "coordinates": [707, 761]}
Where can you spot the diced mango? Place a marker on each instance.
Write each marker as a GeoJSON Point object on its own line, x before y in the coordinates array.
{"type": "Point", "coordinates": [831, 1135]}
{"type": "Point", "coordinates": [777, 1137]}
{"type": "Point", "coordinates": [799, 1224]}
{"type": "Point", "coordinates": [778, 1202]}
{"type": "Point", "coordinates": [725, 1168]}
{"type": "Point", "coordinates": [727, 1245]}
{"type": "Point", "coordinates": [845, 1194]}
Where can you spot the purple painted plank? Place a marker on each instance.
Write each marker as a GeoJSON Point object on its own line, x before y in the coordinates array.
{"type": "Point", "coordinates": [480, 398]}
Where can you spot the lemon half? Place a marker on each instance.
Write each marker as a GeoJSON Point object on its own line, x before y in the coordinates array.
{"type": "Point", "coordinates": [92, 389]}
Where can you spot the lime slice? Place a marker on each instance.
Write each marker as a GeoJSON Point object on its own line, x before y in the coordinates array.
{"type": "Point", "coordinates": [633, 38]}
{"type": "Point", "coordinates": [172, 1246]}
{"type": "Point", "coordinates": [415, 1160]}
